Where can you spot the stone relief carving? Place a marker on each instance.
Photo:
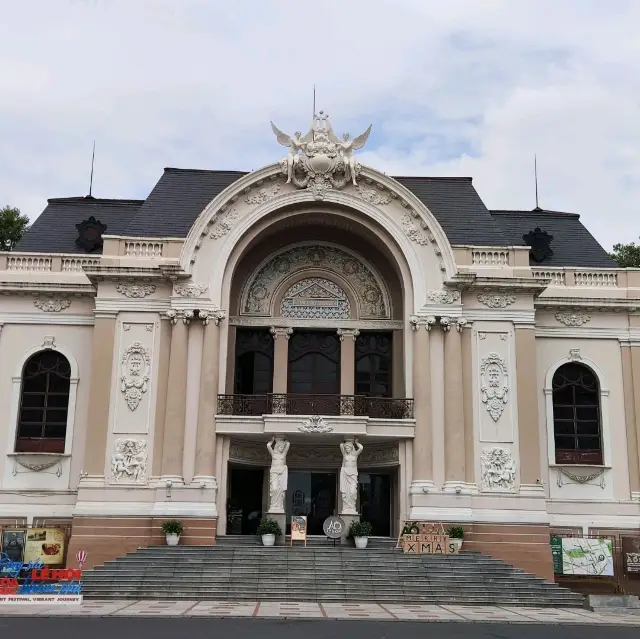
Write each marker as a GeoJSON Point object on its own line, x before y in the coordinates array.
{"type": "Point", "coordinates": [48, 342]}
{"type": "Point", "coordinates": [129, 461]}
{"type": "Point", "coordinates": [315, 424]}
{"type": "Point", "coordinates": [574, 354]}
{"type": "Point", "coordinates": [494, 384]}
{"type": "Point", "coordinates": [562, 473]}
{"type": "Point", "coordinates": [257, 298]}
{"type": "Point", "coordinates": [36, 465]}
{"type": "Point", "coordinates": [413, 232]}
{"type": "Point", "coordinates": [315, 297]}
{"type": "Point", "coordinates": [498, 469]}
{"type": "Point", "coordinates": [577, 318]}
{"type": "Point", "coordinates": [190, 290]}
{"type": "Point", "coordinates": [496, 301]}
{"type": "Point", "coordinates": [222, 225]}
{"type": "Point", "coordinates": [350, 450]}
{"type": "Point", "coordinates": [135, 290]}
{"type": "Point", "coordinates": [52, 306]}
{"type": "Point", "coordinates": [278, 474]}
{"type": "Point", "coordinates": [443, 297]}
{"type": "Point", "coordinates": [264, 194]}
{"type": "Point", "coordinates": [381, 455]}
{"type": "Point", "coordinates": [373, 196]}
{"type": "Point", "coordinates": [136, 370]}
{"type": "Point", "coordinates": [319, 160]}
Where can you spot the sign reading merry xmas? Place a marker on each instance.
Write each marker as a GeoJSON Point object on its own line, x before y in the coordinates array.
{"type": "Point", "coordinates": [429, 545]}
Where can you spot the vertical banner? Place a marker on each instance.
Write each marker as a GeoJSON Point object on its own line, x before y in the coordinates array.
{"type": "Point", "coordinates": [631, 555]}
{"type": "Point", "coordinates": [556, 554]}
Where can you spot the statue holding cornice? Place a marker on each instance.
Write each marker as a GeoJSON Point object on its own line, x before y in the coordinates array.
{"type": "Point", "coordinates": [319, 160]}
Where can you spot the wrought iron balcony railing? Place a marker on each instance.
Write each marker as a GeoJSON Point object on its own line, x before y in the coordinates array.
{"type": "Point", "coordinates": [310, 404]}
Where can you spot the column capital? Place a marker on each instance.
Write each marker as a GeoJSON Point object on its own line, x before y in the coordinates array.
{"type": "Point", "coordinates": [277, 331]}
{"type": "Point", "coordinates": [212, 316]}
{"type": "Point", "coordinates": [461, 322]}
{"type": "Point", "coordinates": [416, 322]}
{"type": "Point", "coordinates": [348, 332]}
{"type": "Point", "coordinates": [445, 322]}
{"type": "Point", "coordinates": [174, 316]}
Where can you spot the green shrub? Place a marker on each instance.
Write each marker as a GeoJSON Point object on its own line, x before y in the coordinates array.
{"type": "Point", "coordinates": [172, 527]}
{"type": "Point", "coordinates": [360, 529]}
{"type": "Point", "coordinates": [455, 532]}
{"type": "Point", "coordinates": [269, 527]}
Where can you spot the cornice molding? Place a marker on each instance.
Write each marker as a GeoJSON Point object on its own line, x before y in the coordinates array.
{"type": "Point", "coordinates": [148, 305]}
{"type": "Point", "coordinates": [285, 322]}
{"type": "Point", "coordinates": [39, 317]}
{"type": "Point", "coordinates": [588, 304]}
{"type": "Point", "coordinates": [135, 274]}
{"type": "Point", "coordinates": [483, 284]}
{"type": "Point", "coordinates": [47, 289]}
{"type": "Point", "coordinates": [588, 332]}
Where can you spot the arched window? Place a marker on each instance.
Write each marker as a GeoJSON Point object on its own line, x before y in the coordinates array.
{"type": "Point", "coordinates": [576, 415]}
{"type": "Point", "coordinates": [44, 403]}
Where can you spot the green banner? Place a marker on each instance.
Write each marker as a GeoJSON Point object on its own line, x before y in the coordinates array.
{"type": "Point", "coordinates": [556, 554]}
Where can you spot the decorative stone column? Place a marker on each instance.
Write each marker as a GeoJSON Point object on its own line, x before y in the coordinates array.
{"type": "Point", "coordinates": [453, 405]}
{"type": "Point", "coordinates": [173, 445]}
{"type": "Point", "coordinates": [103, 341]}
{"type": "Point", "coordinates": [281, 337]}
{"type": "Point", "coordinates": [208, 399]}
{"type": "Point", "coordinates": [422, 443]}
{"type": "Point", "coordinates": [631, 386]}
{"type": "Point", "coordinates": [348, 338]}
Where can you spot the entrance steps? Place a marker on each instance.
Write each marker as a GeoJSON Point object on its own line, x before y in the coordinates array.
{"type": "Point", "coordinates": [248, 572]}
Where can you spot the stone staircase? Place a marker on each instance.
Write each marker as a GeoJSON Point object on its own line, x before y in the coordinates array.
{"type": "Point", "coordinates": [242, 570]}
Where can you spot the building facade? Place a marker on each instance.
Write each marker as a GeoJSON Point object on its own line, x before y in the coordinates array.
{"type": "Point", "coordinates": [488, 362]}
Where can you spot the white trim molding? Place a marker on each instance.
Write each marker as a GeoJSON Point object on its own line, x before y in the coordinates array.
{"type": "Point", "coordinates": [47, 344]}
{"type": "Point", "coordinates": [605, 430]}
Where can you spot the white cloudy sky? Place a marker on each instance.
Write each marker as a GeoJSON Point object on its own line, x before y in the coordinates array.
{"type": "Point", "coordinates": [452, 87]}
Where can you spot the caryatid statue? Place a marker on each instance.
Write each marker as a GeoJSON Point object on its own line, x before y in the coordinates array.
{"type": "Point", "coordinates": [350, 450]}
{"type": "Point", "coordinates": [278, 474]}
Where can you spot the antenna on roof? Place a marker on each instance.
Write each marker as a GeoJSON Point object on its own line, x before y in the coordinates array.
{"type": "Point", "coordinates": [93, 157]}
{"type": "Point", "coordinates": [535, 173]}
{"type": "Point", "coordinates": [314, 102]}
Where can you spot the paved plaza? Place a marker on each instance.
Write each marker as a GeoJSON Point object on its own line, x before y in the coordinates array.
{"type": "Point", "coordinates": [328, 611]}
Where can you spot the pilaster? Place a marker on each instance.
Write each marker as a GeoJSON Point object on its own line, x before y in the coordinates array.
{"type": "Point", "coordinates": [348, 338]}
{"type": "Point", "coordinates": [281, 337]}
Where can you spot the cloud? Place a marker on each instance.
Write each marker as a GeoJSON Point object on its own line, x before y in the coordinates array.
{"type": "Point", "coordinates": [454, 87]}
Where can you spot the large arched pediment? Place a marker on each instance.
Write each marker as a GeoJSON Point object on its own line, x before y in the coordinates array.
{"type": "Point", "coordinates": [336, 262]}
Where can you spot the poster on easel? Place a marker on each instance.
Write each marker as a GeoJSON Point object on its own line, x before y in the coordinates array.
{"type": "Point", "coordinates": [13, 544]}
{"type": "Point", "coordinates": [45, 545]}
{"type": "Point", "coordinates": [299, 529]}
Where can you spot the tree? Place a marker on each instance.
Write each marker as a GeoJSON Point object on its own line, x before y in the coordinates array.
{"type": "Point", "coordinates": [626, 255]}
{"type": "Point", "coordinates": [12, 227]}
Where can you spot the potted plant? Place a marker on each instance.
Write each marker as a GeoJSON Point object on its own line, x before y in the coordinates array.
{"type": "Point", "coordinates": [456, 535]}
{"type": "Point", "coordinates": [360, 531]}
{"type": "Point", "coordinates": [172, 530]}
{"type": "Point", "coordinates": [269, 529]}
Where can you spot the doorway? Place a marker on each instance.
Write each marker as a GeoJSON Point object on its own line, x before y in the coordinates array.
{"type": "Point", "coordinates": [375, 501]}
{"type": "Point", "coordinates": [244, 506]}
{"type": "Point", "coordinates": [314, 495]}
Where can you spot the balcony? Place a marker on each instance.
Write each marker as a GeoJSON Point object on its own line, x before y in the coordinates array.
{"type": "Point", "coordinates": [303, 404]}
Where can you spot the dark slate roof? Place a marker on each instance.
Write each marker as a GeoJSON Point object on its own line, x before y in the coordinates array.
{"type": "Point", "coordinates": [54, 231]}
{"type": "Point", "coordinates": [572, 244]}
{"type": "Point", "coordinates": [181, 194]}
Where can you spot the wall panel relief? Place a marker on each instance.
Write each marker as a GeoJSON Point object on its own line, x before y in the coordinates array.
{"type": "Point", "coordinates": [133, 401]}
{"type": "Point", "coordinates": [129, 461]}
{"type": "Point", "coordinates": [496, 396]}
{"type": "Point", "coordinates": [315, 297]}
{"type": "Point", "coordinates": [372, 297]}
{"type": "Point", "coordinates": [498, 470]}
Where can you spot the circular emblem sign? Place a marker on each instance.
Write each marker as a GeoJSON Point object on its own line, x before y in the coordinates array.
{"type": "Point", "coordinates": [333, 527]}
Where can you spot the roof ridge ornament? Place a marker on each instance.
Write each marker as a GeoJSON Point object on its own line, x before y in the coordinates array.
{"type": "Point", "coordinates": [319, 160]}
{"type": "Point", "coordinates": [540, 243]}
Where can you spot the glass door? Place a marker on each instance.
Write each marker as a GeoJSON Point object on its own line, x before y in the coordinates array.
{"type": "Point", "coordinates": [312, 494]}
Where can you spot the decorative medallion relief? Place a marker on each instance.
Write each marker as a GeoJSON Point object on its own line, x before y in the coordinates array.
{"type": "Point", "coordinates": [129, 461]}
{"type": "Point", "coordinates": [443, 297]}
{"type": "Point", "coordinates": [498, 470]}
{"type": "Point", "coordinates": [315, 424]}
{"type": "Point", "coordinates": [496, 301]}
{"type": "Point", "coordinates": [223, 223]}
{"type": "Point", "coordinates": [135, 290]}
{"type": "Point", "coordinates": [373, 196]}
{"type": "Point", "coordinates": [264, 194]}
{"type": "Point", "coordinates": [52, 306]}
{"type": "Point", "coordinates": [494, 385]}
{"type": "Point", "coordinates": [136, 370]}
{"type": "Point", "coordinates": [190, 290]}
{"type": "Point", "coordinates": [573, 319]}
{"type": "Point", "coordinates": [315, 298]}
{"type": "Point", "coordinates": [257, 298]}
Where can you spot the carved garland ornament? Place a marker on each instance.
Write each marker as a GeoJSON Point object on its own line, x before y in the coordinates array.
{"type": "Point", "coordinates": [498, 469]}
{"type": "Point", "coordinates": [315, 424]}
{"type": "Point", "coordinates": [135, 290]}
{"type": "Point", "coordinates": [136, 370]}
{"type": "Point", "coordinates": [494, 385]}
{"type": "Point", "coordinates": [496, 301]}
{"type": "Point", "coordinates": [373, 196]}
{"type": "Point", "coordinates": [264, 194]}
{"type": "Point", "coordinates": [257, 298]}
{"type": "Point", "coordinates": [223, 223]}
{"type": "Point", "coordinates": [573, 319]}
{"type": "Point", "coordinates": [52, 306]}
{"type": "Point", "coordinates": [190, 290]}
{"type": "Point", "coordinates": [129, 461]}
{"type": "Point", "coordinates": [443, 297]}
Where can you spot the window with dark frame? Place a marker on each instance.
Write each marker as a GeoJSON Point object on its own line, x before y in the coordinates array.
{"type": "Point", "coordinates": [576, 415]}
{"type": "Point", "coordinates": [44, 403]}
{"type": "Point", "coordinates": [373, 364]}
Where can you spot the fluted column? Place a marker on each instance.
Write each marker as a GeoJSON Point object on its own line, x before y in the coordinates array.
{"type": "Point", "coordinates": [454, 469]}
{"type": "Point", "coordinates": [422, 443]}
{"type": "Point", "coordinates": [207, 399]}
{"type": "Point", "coordinates": [281, 337]}
{"type": "Point", "coordinates": [348, 338]}
{"type": "Point", "coordinates": [173, 446]}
